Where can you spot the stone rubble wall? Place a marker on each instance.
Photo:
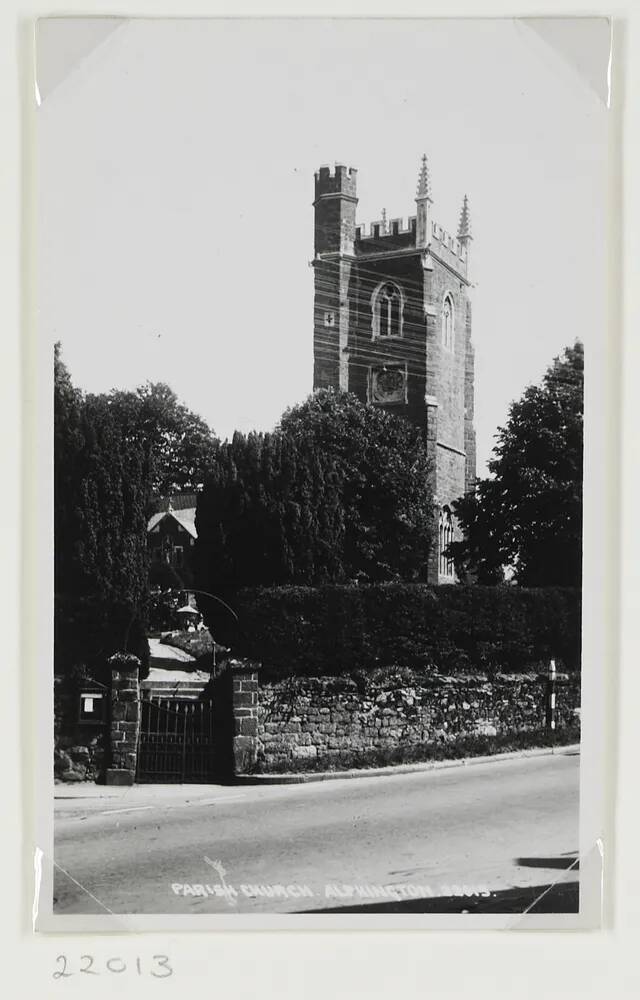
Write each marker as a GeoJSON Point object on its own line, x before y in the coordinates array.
{"type": "Point", "coordinates": [79, 748]}
{"type": "Point", "coordinates": [303, 721]}
{"type": "Point", "coordinates": [78, 761]}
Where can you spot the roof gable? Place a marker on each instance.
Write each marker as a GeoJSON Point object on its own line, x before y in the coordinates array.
{"type": "Point", "coordinates": [185, 518]}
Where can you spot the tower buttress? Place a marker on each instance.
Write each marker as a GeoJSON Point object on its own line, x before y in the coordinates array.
{"type": "Point", "coordinates": [335, 209]}
{"type": "Point", "coordinates": [335, 230]}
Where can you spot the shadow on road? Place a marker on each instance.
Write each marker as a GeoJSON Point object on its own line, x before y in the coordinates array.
{"type": "Point", "coordinates": [561, 898]}
{"type": "Point", "coordinates": [564, 863]}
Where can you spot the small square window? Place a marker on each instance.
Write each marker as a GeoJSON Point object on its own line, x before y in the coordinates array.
{"type": "Point", "coordinates": [329, 319]}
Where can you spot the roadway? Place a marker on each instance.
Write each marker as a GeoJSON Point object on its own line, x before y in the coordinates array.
{"type": "Point", "coordinates": [489, 837]}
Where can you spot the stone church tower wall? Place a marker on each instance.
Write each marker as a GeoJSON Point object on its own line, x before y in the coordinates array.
{"type": "Point", "coordinates": [392, 324]}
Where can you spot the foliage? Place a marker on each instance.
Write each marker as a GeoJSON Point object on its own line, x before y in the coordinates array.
{"type": "Point", "coordinates": [334, 630]}
{"type": "Point", "coordinates": [124, 662]}
{"type": "Point", "coordinates": [199, 644]}
{"type": "Point", "coordinates": [270, 513]}
{"type": "Point", "coordinates": [100, 504]}
{"type": "Point", "coordinates": [338, 491]}
{"type": "Point", "coordinates": [382, 464]}
{"type": "Point", "coordinates": [166, 579]}
{"type": "Point", "coordinates": [178, 444]}
{"type": "Point", "coordinates": [529, 514]}
{"type": "Point", "coordinates": [163, 605]}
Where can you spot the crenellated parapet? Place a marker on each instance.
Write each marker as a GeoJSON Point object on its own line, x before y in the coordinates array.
{"type": "Point", "coordinates": [419, 231]}
{"type": "Point", "coordinates": [338, 232]}
{"type": "Point", "coordinates": [339, 180]}
{"type": "Point", "coordinates": [382, 235]}
{"type": "Point", "coordinates": [450, 249]}
{"type": "Point", "coordinates": [382, 227]}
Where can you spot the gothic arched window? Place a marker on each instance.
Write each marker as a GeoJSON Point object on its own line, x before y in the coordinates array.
{"type": "Point", "coordinates": [447, 322]}
{"type": "Point", "coordinates": [445, 538]}
{"type": "Point", "coordinates": [387, 308]}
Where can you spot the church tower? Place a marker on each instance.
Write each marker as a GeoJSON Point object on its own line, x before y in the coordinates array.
{"type": "Point", "coordinates": [392, 324]}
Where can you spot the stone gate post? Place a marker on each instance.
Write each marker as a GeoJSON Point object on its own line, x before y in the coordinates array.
{"type": "Point", "coordinates": [244, 707]}
{"type": "Point", "coordinates": [124, 720]}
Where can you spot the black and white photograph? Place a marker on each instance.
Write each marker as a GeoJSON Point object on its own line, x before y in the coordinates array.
{"type": "Point", "coordinates": [321, 309]}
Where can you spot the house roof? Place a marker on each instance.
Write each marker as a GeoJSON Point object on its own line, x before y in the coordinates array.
{"type": "Point", "coordinates": [155, 519]}
{"type": "Point", "coordinates": [179, 501]}
{"type": "Point", "coordinates": [186, 519]}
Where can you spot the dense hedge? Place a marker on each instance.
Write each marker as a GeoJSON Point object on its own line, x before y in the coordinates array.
{"type": "Point", "coordinates": [315, 631]}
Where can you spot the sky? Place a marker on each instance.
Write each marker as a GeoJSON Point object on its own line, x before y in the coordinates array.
{"type": "Point", "coordinates": [175, 188]}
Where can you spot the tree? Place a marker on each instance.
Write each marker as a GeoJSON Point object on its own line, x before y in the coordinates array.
{"type": "Point", "coordinates": [270, 513]}
{"type": "Point", "coordinates": [339, 491]}
{"type": "Point", "coordinates": [179, 444]}
{"type": "Point", "coordinates": [382, 463]}
{"type": "Point", "coordinates": [101, 486]}
{"type": "Point", "coordinates": [529, 514]}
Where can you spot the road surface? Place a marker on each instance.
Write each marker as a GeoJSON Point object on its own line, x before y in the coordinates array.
{"type": "Point", "coordinates": [484, 837]}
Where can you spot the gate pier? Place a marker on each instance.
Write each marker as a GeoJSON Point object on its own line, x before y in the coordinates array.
{"type": "Point", "coordinates": [192, 731]}
{"type": "Point", "coordinates": [124, 719]}
{"type": "Point", "coordinates": [244, 711]}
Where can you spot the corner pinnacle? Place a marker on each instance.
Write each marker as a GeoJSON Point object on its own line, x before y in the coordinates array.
{"type": "Point", "coordinates": [424, 185]}
{"type": "Point", "coordinates": [464, 225]}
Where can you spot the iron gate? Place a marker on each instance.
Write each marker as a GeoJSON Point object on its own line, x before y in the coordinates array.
{"type": "Point", "coordinates": [176, 740]}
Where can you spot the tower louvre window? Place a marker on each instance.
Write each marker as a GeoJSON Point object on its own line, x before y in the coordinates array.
{"type": "Point", "coordinates": [445, 538]}
{"type": "Point", "coordinates": [447, 322]}
{"type": "Point", "coordinates": [387, 308]}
